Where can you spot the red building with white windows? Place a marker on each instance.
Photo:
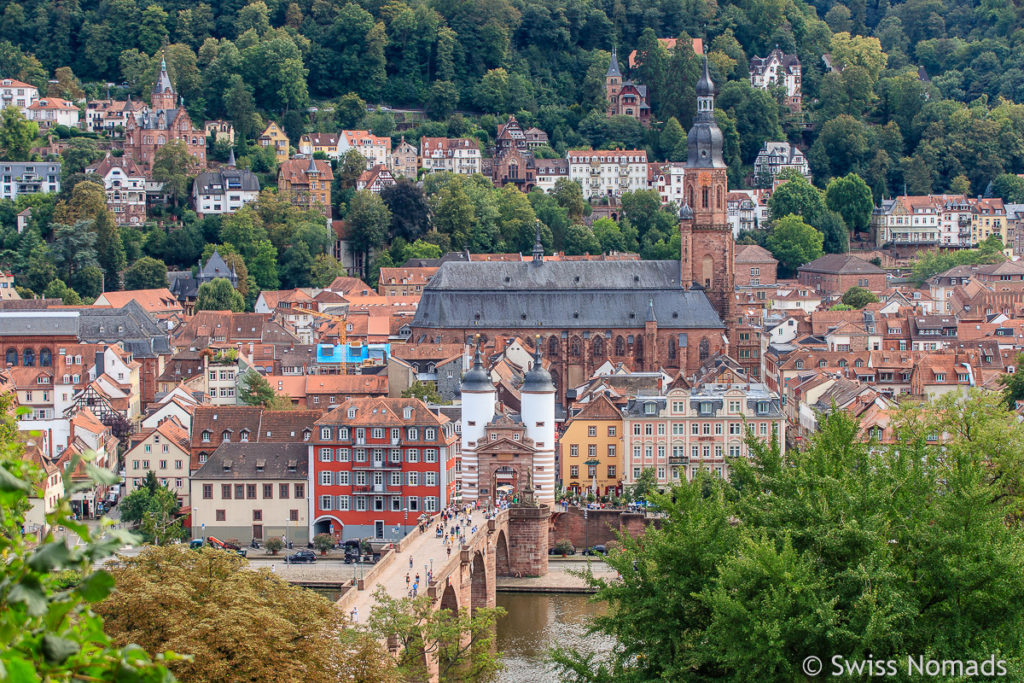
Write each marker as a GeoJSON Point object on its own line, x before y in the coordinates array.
{"type": "Point", "coordinates": [377, 464]}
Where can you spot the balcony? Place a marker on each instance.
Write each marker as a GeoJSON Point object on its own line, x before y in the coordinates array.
{"type": "Point", "coordinates": [377, 489]}
{"type": "Point", "coordinates": [678, 460]}
{"type": "Point", "coordinates": [377, 465]}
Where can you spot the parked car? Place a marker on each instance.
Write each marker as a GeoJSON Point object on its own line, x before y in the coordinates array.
{"type": "Point", "coordinates": [596, 550]}
{"type": "Point", "coordinates": [300, 557]}
{"type": "Point", "coordinates": [561, 551]}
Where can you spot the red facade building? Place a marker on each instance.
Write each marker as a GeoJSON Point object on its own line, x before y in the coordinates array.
{"type": "Point", "coordinates": [377, 465]}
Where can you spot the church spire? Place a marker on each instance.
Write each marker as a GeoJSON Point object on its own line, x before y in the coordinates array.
{"type": "Point", "coordinates": [704, 141]}
{"type": "Point", "coordinates": [231, 157]}
{"type": "Point", "coordinates": [538, 247]}
{"type": "Point", "coordinates": [613, 66]}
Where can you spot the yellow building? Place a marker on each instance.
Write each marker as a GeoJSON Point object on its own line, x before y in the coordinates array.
{"type": "Point", "coordinates": [594, 434]}
{"type": "Point", "coordinates": [988, 217]}
{"type": "Point", "coordinates": [274, 137]}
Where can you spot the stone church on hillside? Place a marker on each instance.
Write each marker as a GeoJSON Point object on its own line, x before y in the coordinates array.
{"type": "Point", "coordinates": [648, 315]}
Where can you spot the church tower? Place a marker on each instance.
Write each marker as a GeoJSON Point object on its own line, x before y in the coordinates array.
{"type": "Point", "coordinates": [707, 249]}
{"type": "Point", "coordinates": [613, 85]}
{"type": "Point", "coordinates": [163, 96]}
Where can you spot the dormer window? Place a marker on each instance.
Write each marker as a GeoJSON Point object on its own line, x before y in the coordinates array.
{"type": "Point", "coordinates": [307, 434]}
{"type": "Point", "coordinates": [226, 436]}
{"type": "Point", "coordinates": [207, 435]}
{"type": "Point", "coordinates": [243, 435]}
{"type": "Point", "coordinates": [261, 465]}
{"type": "Point", "coordinates": [649, 408]}
{"type": "Point", "coordinates": [351, 413]}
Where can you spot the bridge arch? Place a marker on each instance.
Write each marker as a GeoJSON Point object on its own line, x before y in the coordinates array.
{"type": "Point", "coordinates": [478, 582]}
{"type": "Point", "coordinates": [501, 563]}
{"type": "Point", "coordinates": [450, 599]}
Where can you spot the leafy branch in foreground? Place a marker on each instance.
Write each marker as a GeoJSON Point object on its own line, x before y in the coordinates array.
{"type": "Point", "coordinates": [48, 630]}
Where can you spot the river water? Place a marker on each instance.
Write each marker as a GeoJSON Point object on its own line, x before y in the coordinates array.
{"type": "Point", "coordinates": [535, 623]}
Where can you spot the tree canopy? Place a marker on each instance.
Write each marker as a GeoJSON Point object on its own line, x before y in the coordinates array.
{"type": "Point", "coordinates": [206, 603]}
{"type": "Point", "coordinates": [842, 548]}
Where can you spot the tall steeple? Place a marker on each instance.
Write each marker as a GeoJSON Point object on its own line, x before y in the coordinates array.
{"type": "Point", "coordinates": [613, 84]}
{"type": "Point", "coordinates": [163, 96]}
{"type": "Point", "coordinates": [613, 66]}
{"type": "Point", "coordinates": [704, 142]}
{"type": "Point", "coordinates": [706, 245]}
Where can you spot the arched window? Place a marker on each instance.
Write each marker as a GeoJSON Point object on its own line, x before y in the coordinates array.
{"type": "Point", "coordinates": [28, 358]}
{"type": "Point", "coordinates": [45, 357]}
{"type": "Point", "coordinates": [718, 197]}
{"type": "Point", "coordinates": [689, 196]}
{"type": "Point", "coordinates": [671, 349]}
{"type": "Point", "coordinates": [12, 357]}
{"type": "Point", "coordinates": [638, 348]}
{"type": "Point", "coordinates": [552, 347]}
{"type": "Point", "coordinates": [705, 350]}
{"type": "Point", "coordinates": [704, 197]}
{"type": "Point", "coordinates": [598, 348]}
{"type": "Point", "coordinates": [574, 347]}
{"type": "Point", "coordinates": [620, 346]}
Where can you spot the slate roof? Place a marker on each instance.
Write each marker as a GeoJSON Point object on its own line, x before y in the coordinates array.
{"type": "Point", "coordinates": [561, 294]}
{"type": "Point", "coordinates": [835, 264]}
{"type": "Point", "coordinates": [216, 182]}
{"type": "Point", "coordinates": [56, 323]}
{"type": "Point", "coordinates": [260, 461]}
{"type": "Point", "coordinates": [138, 333]}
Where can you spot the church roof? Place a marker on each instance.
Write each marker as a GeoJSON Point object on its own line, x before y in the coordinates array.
{"type": "Point", "coordinates": [216, 267]}
{"type": "Point", "coordinates": [561, 294]}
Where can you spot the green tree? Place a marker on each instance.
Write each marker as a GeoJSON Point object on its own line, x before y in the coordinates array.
{"type": "Point", "coordinates": [421, 249]}
{"type": "Point", "coordinates": [325, 269]}
{"type": "Point", "coordinates": [350, 166]}
{"type": "Point", "coordinates": [410, 210]}
{"type": "Point", "coordinates": [172, 164]}
{"type": "Point", "coordinates": [819, 566]}
{"type": "Point", "coordinates": [109, 249]}
{"type": "Point", "coordinates": [858, 297]}
{"type": "Point", "coordinates": [672, 141]}
{"type": "Point", "coordinates": [851, 198]}
{"type": "Point", "coordinates": [645, 486]}
{"type": "Point", "coordinates": [255, 390]}
{"type": "Point", "coordinates": [58, 290]}
{"type": "Point", "coordinates": [17, 134]}
{"type": "Point", "coordinates": [146, 273]}
{"type": "Point", "coordinates": [1013, 385]}
{"type": "Point", "coordinates": [79, 153]}
{"type": "Point", "coordinates": [74, 249]}
{"type": "Point", "coordinates": [460, 642]}
{"type": "Point", "coordinates": [793, 243]}
{"type": "Point", "coordinates": [442, 100]}
{"type": "Point", "coordinates": [424, 391]}
{"type": "Point", "coordinates": [368, 219]}
{"type": "Point", "coordinates": [569, 196]}
{"type": "Point", "coordinates": [219, 295]}
{"type": "Point", "coordinates": [152, 29]}
{"type": "Point", "coordinates": [240, 106]}
{"type": "Point", "coordinates": [151, 508]}
{"type": "Point", "coordinates": [580, 239]}
{"type": "Point", "coordinates": [1008, 186]}
{"type": "Point", "coordinates": [350, 111]}
{"type": "Point", "coordinates": [796, 196]}
{"type": "Point", "coordinates": [492, 92]}
{"type": "Point", "coordinates": [49, 588]}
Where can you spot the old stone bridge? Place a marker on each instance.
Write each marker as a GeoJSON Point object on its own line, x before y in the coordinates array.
{"type": "Point", "coordinates": [513, 543]}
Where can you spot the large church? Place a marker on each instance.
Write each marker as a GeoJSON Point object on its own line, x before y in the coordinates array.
{"type": "Point", "coordinates": [648, 315]}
